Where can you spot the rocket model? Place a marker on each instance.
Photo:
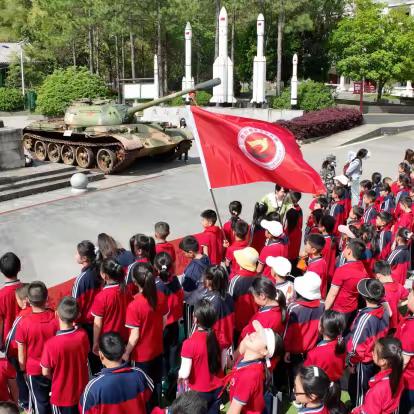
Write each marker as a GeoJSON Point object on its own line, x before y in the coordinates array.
{"type": "Point", "coordinates": [188, 81]}
{"type": "Point", "coordinates": [223, 66]}
{"type": "Point", "coordinates": [294, 83]}
{"type": "Point", "coordinates": [259, 65]}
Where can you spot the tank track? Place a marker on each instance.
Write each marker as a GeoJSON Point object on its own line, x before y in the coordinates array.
{"type": "Point", "coordinates": [125, 158]}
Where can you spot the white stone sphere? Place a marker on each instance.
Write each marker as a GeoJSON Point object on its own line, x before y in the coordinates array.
{"type": "Point", "coordinates": [79, 182]}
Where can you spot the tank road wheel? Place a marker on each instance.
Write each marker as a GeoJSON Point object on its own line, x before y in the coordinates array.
{"type": "Point", "coordinates": [68, 154]}
{"type": "Point", "coordinates": [85, 157]}
{"type": "Point", "coordinates": [40, 150]}
{"type": "Point", "coordinates": [53, 151]}
{"type": "Point", "coordinates": [27, 142]}
{"type": "Point", "coordinates": [106, 160]}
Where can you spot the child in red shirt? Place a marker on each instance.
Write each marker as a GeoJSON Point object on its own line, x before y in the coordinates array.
{"type": "Point", "coordinates": [240, 233]}
{"type": "Point", "coordinates": [406, 217]}
{"type": "Point", "coordinates": [399, 258]}
{"type": "Point", "coordinates": [110, 304]}
{"type": "Point", "coordinates": [145, 318]}
{"type": "Point", "coordinates": [384, 235]}
{"type": "Point", "coordinates": [330, 353]}
{"type": "Point", "coordinates": [385, 388]}
{"type": "Point", "coordinates": [235, 209]}
{"type": "Point", "coordinates": [314, 246]}
{"type": "Point", "coordinates": [201, 357]}
{"type": "Point", "coordinates": [395, 293]}
{"type": "Point", "coordinates": [337, 210]}
{"type": "Point", "coordinates": [31, 335]}
{"type": "Point", "coordinates": [293, 227]}
{"type": "Point", "coordinates": [161, 232]}
{"type": "Point", "coordinates": [8, 385]}
{"type": "Point", "coordinates": [65, 359]}
{"type": "Point", "coordinates": [211, 240]}
{"type": "Point", "coordinates": [10, 267]}
{"type": "Point", "coordinates": [326, 228]}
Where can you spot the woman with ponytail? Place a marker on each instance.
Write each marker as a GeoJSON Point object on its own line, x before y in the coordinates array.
{"type": "Point", "coordinates": [200, 357]}
{"type": "Point", "coordinates": [169, 287]}
{"type": "Point", "coordinates": [110, 304]}
{"type": "Point", "coordinates": [235, 209]}
{"type": "Point", "coordinates": [330, 353]}
{"type": "Point", "coordinates": [385, 388]}
{"type": "Point", "coordinates": [315, 393]}
{"type": "Point", "coordinates": [145, 318]}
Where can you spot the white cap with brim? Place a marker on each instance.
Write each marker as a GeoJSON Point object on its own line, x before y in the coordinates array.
{"type": "Point", "coordinates": [280, 265]}
{"type": "Point", "coordinates": [343, 179]}
{"type": "Point", "coordinates": [268, 337]}
{"type": "Point", "coordinates": [273, 227]}
{"type": "Point", "coordinates": [346, 230]}
{"type": "Point", "coordinates": [247, 258]}
{"type": "Point", "coordinates": [308, 286]}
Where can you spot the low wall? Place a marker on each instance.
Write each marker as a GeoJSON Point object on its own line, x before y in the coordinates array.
{"type": "Point", "coordinates": [173, 114]}
{"type": "Point", "coordinates": [11, 148]}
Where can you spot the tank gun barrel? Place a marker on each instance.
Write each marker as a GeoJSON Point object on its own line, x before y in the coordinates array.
{"type": "Point", "coordinates": [203, 85]}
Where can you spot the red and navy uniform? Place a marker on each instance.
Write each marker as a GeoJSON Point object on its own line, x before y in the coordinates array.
{"type": "Point", "coordinates": [368, 259]}
{"type": "Point", "coordinates": [370, 215]}
{"type": "Point", "coordinates": [274, 247]}
{"type": "Point", "coordinates": [224, 325]}
{"type": "Point", "coordinates": [394, 293]}
{"type": "Point", "coordinates": [405, 333]}
{"type": "Point", "coordinates": [258, 237]}
{"type": "Point", "coordinates": [7, 373]}
{"type": "Point", "coordinates": [10, 346]}
{"type": "Point", "coordinates": [8, 307]}
{"type": "Point", "coordinates": [125, 258]}
{"type": "Point", "coordinates": [212, 238]}
{"type": "Point", "coordinates": [399, 260]}
{"type": "Point", "coordinates": [324, 356]}
{"type": "Point", "coordinates": [384, 243]}
{"type": "Point", "coordinates": [294, 235]}
{"type": "Point", "coordinates": [302, 329]}
{"type": "Point", "coordinates": [319, 266]}
{"type": "Point", "coordinates": [228, 231]}
{"type": "Point", "coordinates": [117, 390]}
{"type": "Point", "coordinates": [337, 211]}
{"type": "Point", "coordinates": [270, 317]}
{"type": "Point", "coordinates": [129, 282]}
{"type": "Point", "coordinates": [192, 279]}
{"type": "Point", "coordinates": [66, 355]}
{"type": "Point", "coordinates": [236, 245]}
{"type": "Point", "coordinates": [111, 304]}
{"type": "Point", "coordinates": [379, 398]}
{"type": "Point", "coordinates": [174, 295]}
{"type": "Point", "coordinates": [403, 192]}
{"type": "Point", "coordinates": [404, 220]}
{"type": "Point", "coordinates": [244, 305]}
{"type": "Point", "coordinates": [247, 385]}
{"type": "Point", "coordinates": [388, 204]}
{"type": "Point", "coordinates": [346, 278]}
{"type": "Point", "coordinates": [87, 285]}
{"type": "Point", "coordinates": [314, 410]}
{"type": "Point", "coordinates": [167, 247]}
{"type": "Point", "coordinates": [329, 253]}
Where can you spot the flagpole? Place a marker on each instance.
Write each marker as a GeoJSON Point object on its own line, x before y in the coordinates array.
{"type": "Point", "coordinates": [216, 208]}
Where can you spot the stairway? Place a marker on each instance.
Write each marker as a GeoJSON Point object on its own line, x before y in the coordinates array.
{"type": "Point", "coordinates": [40, 178]}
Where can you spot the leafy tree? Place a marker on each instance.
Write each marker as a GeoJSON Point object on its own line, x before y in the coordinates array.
{"type": "Point", "coordinates": [11, 99]}
{"type": "Point", "coordinates": [373, 45]}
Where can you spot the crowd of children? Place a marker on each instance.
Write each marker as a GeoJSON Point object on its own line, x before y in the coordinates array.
{"type": "Point", "coordinates": [263, 315]}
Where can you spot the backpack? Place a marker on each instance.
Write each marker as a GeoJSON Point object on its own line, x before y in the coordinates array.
{"type": "Point", "coordinates": [346, 166]}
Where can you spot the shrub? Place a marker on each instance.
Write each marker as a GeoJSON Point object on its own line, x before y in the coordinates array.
{"type": "Point", "coordinates": [64, 86]}
{"type": "Point", "coordinates": [11, 99]}
{"type": "Point", "coordinates": [311, 97]}
{"type": "Point", "coordinates": [202, 97]}
{"type": "Point", "coordinates": [324, 122]}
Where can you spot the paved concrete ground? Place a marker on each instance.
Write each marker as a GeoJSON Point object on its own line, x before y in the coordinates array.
{"type": "Point", "coordinates": [45, 235]}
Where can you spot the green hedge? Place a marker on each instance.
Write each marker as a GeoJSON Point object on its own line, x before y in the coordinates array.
{"type": "Point", "coordinates": [64, 86]}
{"type": "Point", "coordinates": [11, 99]}
{"type": "Point", "coordinates": [312, 96]}
{"type": "Point", "coordinates": [202, 97]}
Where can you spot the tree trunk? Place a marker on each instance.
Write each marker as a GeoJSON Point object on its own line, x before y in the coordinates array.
{"type": "Point", "coordinates": [165, 68]}
{"type": "Point", "coordinates": [97, 51]}
{"type": "Point", "coordinates": [280, 26]}
{"type": "Point", "coordinates": [380, 87]}
{"type": "Point", "coordinates": [74, 53]}
{"type": "Point", "coordinates": [159, 52]}
{"type": "Point", "coordinates": [123, 56]}
{"type": "Point", "coordinates": [118, 83]}
{"type": "Point", "coordinates": [90, 45]}
{"type": "Point", "coordinates": [216, 41]}
{"type": "Point", "coordinates": [131, 41]}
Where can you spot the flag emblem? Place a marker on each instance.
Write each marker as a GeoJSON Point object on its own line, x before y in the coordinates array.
{"type": "Point", "coordinates": [261, 147]}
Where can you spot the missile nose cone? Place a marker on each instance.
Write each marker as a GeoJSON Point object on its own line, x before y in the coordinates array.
{"type": "Point", "coordinates": [188, 26]}
{"type": "Point", "coordinates": [260, 17]}
{"type": "Point", "coordinates": [223, 14]}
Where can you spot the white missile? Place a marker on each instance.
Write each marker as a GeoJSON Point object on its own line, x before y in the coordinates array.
{"type": "Point", "coordinates": [188, 80]}
{"type": "Point", "coordinates": [294, 83]}
{"type": "Point", "coordinates": [259, 65]}
{"type": "Point", "coordinates": [223, 66]}
{"type": "Point", "coordinates": [156, 79]}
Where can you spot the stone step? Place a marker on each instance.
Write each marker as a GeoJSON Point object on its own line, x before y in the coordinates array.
{"type": "Point", "coordinates": [49, 183]}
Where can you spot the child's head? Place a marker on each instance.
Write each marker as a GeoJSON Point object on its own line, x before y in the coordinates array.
{"type": "Point", "coordinates": [346, 232]}
{"type": "Point", "coordinates": [68, 309]}
{"type": "Point", "coordinates": [308, 286]}
{"type": "Point", "coordinates": [314, 244]}
{"type": "Point", "coordinates": [404, 180]}
{"type": "Point", "coordinates": [365, 185]}
{"type": "Point", "coordinates": [382, 269]}
{"type": "Point", "coordinates": [376, 178]}
{"type": "Point", "coordinates": [341, 180]}
{"type": "Point", "coordinates": [280, 266]}
{"type": "Point", "coordinates": [371, 290]}
{"type": "Point", "coordinates": [409, 156]}
{"type": "Point", "coordinates": [85, 253]}
{"type": "Point", "coordinates": [163, 264]}
{"type": "Point", "coordinates": [387, 354]}
{"type": "Point", "coordinates": [8, 407]}
{"type": "Point", "coordinates": [208, 218]}
{"type": "Point", "coordinates": [385, 189]}
{"type": "Point", "coordinates": [327, 224]}
{"type": "Point", "coordinates": [367, 233]}
{"type": "Point", "coordinates": [10, 265]}
{"type": "Point", "coordinates": [321, 203]}
{"type": "Point", "coordinates": [37, 294]}
{"type": "Point", "coordinates": [241, 229]}
{"type": "Point", "coordinates": [383, 219]}
{"type": "Point", "coordinates": [369, 197]}
{"type": "Point", "coordinates": [144, 279]}
{"type": "Point", "coordinates": [295, 197]}
{"type": "Point", "coordinates": [387, 180]}
{"type": "Point", "coordinates": [356, 213]}
{"type": "Point", "coordinates": [235, 208]}
{"type": "Point", "coordinates": [403, 236]}
{"type": "Point", "coordinates": [107, 246]}
{"type": "Point", "coordinates": [21, 295]}
{"type": "Point", "coordinates": [338, 193]}
{"type": "Point", "coordinates": [317, 215]}
{"type": "Point", "coordinates": [142, 246]}
{"type": "Point", "coordinates": [273, 229]}
{"type": "Point", "coordinates": [111, 271]}
{"type": "Point", "coordinates": [247, 258]}
{"type": "Point", "coordinates": [281, 192]}
{"type": "Point", "coordinates": [354, 249]}
{"type": "Point", "coordinates": [403, 168]}
{"type": "Point", "coordinates": [406, 203]}
{"type": "Point", "coordinates": [188, 402]}
{"type": "Point", "coordinates": [111, 348]}
{"type": "Point", "coordinates": [313, 386]}
{"type": "Point", "coordinates": [161, 230]}
{"type": "Point", "coordinates": [190, 246]}
{"type": "Point", "coordinates": [216, 279]}
{"type": "Point", "coordinates": [332, 325]}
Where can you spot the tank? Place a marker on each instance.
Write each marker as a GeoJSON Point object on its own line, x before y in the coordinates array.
{"type": "Point", "coordinates": [100, 133]}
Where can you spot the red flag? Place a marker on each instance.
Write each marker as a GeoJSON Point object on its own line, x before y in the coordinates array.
{"type": "Point", "coordinates": [235, 150]}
